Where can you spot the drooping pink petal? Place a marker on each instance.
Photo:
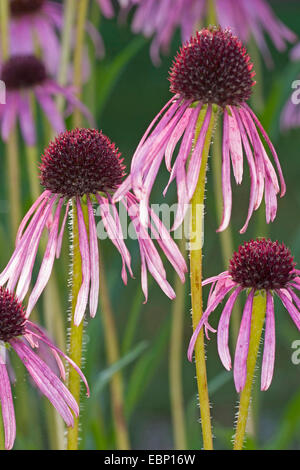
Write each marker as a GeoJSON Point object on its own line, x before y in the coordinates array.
{"type": "Point", "coordinates": [258, 157]}
{"type": "Point", "coordinates": [62, 230]}
{"type": "Point", "coordinates": [115, 234]}
{"type": "Point", "coordinates": [45, 195]}
{"type": "Point", "coordinates": [47, 263]}
{"type": "Point", "coordinates": [212, 306]}
{"type": "Point", "coordinates": [7, 408]}
{"type": "Point", "coordinates": [235, 147]}
{"type": "Point", "coordinates": [223, 329]}
{"type": "Point", "coordinates": [226, 183]}
{"type": "Point", "coordinates": [252, 169]}
{"type": "Point", "coordinates": [271, 147]}
{"type": "Point", "coordinates": [25, 277]}
{"type": "Point", "coordinates": [94, 257]}
{"type": "Point", "coordinates": [38, 332]}
{"type": "Point", "coordinates": [293, 311]}
{"type": "Point", "coordinates": [269, 345]}
{"type": "Point", "coordinates": [83, 293]}
{"type": "Point", "coordinates": [242, 345]}
{"type": "Point", "coordinates": [48, 383]}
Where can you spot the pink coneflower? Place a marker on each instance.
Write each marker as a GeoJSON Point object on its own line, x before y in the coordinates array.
{"type": "Point", "coordinates": [23, 76]}
{"type": "Point", "coordinates": [24, 336]}
{"type": "Point", "coordinates": [246, 18]}
{"type": "Point", "coordinates": [83, 166]}
{"type": "Point", "coordinates": [258, 265]}
{"type": "Point", "coordinates": [40, 22]}
{"type": "Point", "coordinates": [212, 71]}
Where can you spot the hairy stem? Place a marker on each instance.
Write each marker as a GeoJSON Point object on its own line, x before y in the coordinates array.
{"type": "Point", "coordinates": [257, 322]}
{"type": "Point", "coordinates": [175, 361]}
{"type": "Point", "coordinates": [76, 332]}
{"type": "Point", "coordinates": [196, 285]}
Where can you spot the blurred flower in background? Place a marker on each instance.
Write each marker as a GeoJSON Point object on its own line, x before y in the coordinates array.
{"type": "Point", "coordinates": [24, 337]}
{"type": "Point", "coordinates": [258, 265]}
{"type": "Point", "coordinates": [25, 76]}
{"type": "Point", "coordinates": [37, 23]}
{"type": "Point", "coordinates": [247, 19]}
{"type": "Point", "coordinates": [211, 70]}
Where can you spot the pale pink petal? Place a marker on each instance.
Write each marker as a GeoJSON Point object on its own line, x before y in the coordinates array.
{"type": "Point", "coordinates": [269, 345]}
{"type": "Point", "coordinates": [47, 263]}
{"type": "Point", "coordinates": [212, 306]}
{"type": "Point", "coordinates": [226, 183]}
{"type": "Point", "coordinates": [242, 346]}
{"type": "Point", "coordinates": [7, 408]}
{"type": "Point", "coordinates": [293, 311]}
{"type": "Point", "coordinates": [83, 293]}
{"type": "Point", "coordinates": [62, 230]}
{"type": "Point", "coordinates": [48, 383]}
{"type": "Point", "coordinates": [94, 257]}
{"type": "Point", "coordinates": [223, 329]}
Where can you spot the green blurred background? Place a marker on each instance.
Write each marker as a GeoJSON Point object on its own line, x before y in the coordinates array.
{"type": "Point", "coordinates": [126, 91]}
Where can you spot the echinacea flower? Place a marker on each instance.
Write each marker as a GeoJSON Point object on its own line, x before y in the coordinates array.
{"type": "Point", "coordinates": [211, 71]}
{"type": "Point", "coordinates": [23, 336]}
{"type": "Point", "coordinates": [84, 167]}
{"type": "Point", "coordinates": [247, 19]}
{"type": "Point", "coordinates": [24, 76]}
{"type": "Point", "coordinates": [258, 266]}
{"type": "Point", "coordinates": [40, 23]}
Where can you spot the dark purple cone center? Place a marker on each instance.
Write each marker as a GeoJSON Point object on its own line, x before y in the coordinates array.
{"type": "Point", "coordinates": [23, 71]}
{"type": "Point", "coordinates": [12, 316]}
{"type": "Point", "coordinates": [262, 264]}
{"type": "Point", "coordinates": [81, 161]}
{"type": "Point", "coordinates": [23, 7]}
{"type": "Point", "coordinates": [213, 67]}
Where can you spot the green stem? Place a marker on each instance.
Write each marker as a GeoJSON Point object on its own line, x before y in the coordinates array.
{"type": "Point", "coordinates": [80, 26]}
{"type": "Point", "coordinates": [211, 13]}
{"type": "Point", "coordinates": [196, 284]}
{"type": "Point", "coordinates": [66, 44]}
{"type": "Point", "coordinates": [13, 173]}
{"type": "Point", "coordinates": [76, 332]}
{"type": "Point", "coordinates": [32, 168]}
{"type": "Point", "coordinates": [4, 26]}
{"type": "Point", "coordinates": [175, 362]}
{"type": "Point", "coordinates": [257, 322]}
{"type": "Point", "coordinates": [112, 352]}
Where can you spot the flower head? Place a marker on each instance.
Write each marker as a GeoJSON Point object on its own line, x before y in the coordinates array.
{"type": "Point", "coordinates": [259, 266]}
{"type": "Point", "coordinates": [24, 337]}
{"type": "Point", "coordinates": [211, 74]}
{"type": "Point", "coordinates": [83, 167]}
{"type": "Point", "coordinates": [23, 75]}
